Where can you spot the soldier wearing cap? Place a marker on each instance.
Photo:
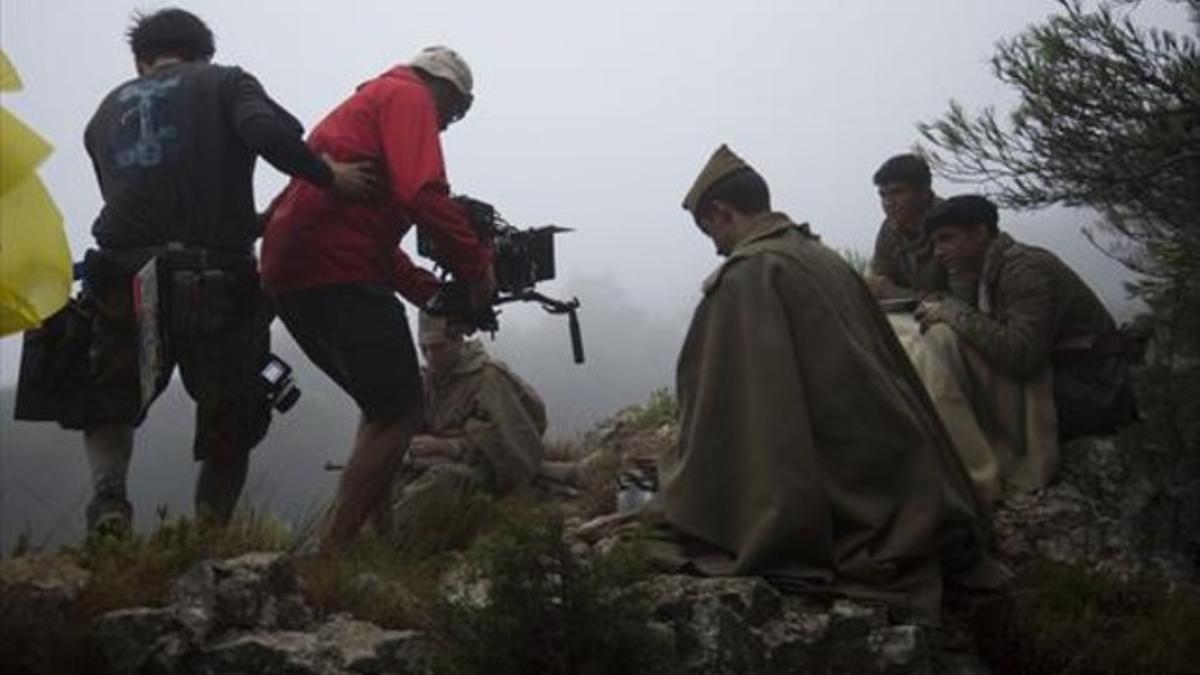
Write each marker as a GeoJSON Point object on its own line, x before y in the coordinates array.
{"type": "Point", "coordinates": [334, 267]}
{"type": "Point", "coordinates": [808, 451]}
{"type": "Point", "coordinates": [482, 430]}
{"type": "Point", "coordinates": [1034, 360]}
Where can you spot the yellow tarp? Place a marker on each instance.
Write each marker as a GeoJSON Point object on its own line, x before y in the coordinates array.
{"type": "Point", "coordinates": [9, 80]}
{"type": "Point", "coordinates": [22, 151]}
{"type": "Point", "coordinates": [35, 262]}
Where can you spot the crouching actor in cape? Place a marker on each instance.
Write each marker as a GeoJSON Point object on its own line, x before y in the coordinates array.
{"type": "Point", "coordinates": [482, 431]}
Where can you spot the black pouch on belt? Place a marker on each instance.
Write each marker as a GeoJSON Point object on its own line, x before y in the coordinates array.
{"type": "Point", "coordinates": [56, 368]}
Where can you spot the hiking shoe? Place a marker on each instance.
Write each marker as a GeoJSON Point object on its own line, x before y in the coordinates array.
{"type": "Point", "coordinates": [110, 517]}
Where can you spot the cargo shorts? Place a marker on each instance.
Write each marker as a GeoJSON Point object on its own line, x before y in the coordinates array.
{"type": "Point", "coordinates": [215, 323]}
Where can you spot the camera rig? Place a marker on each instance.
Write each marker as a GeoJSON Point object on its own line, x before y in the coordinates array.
{"type": "Point", "coordinates": [522, 258]}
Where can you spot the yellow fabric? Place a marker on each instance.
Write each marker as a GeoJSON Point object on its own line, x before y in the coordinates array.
{"type": "Point", "coordinates": [23, 150]}
{"type": "Point", "coordinates": [9, 80]}
{"type": "Point", "coordinates": [35, 262]}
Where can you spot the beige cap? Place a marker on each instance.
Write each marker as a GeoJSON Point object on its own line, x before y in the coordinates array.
{"type": "Point", "coordinates": [722, 163]}
{"type": "Point", "coordinates": [445, 63]}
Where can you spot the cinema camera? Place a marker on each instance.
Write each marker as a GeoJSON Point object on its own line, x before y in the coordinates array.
{"type": "Point", "coordinates": [522, 258]}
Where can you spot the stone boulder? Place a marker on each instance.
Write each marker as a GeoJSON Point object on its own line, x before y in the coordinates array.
{"type": "Point", "coordinates": [743, 626]}
{"type": "Point", "coordinates": [1104, 511]}
{"type": "Point", "coordinates": [246, 615]}
{"type": "Point", "coordinates": [340, 645]}
{"type": "Point", "coordinates": [38, 594]}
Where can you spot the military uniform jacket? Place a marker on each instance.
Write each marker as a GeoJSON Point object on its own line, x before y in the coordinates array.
{"type": "Point", "coordinates": [1034, 312]}
{"type": "Point", "coordinates": [908, 263]}
{"type": "Point", "coordinates": [809, 451]}
{"type": "Point", "coordinates": [497, 418]}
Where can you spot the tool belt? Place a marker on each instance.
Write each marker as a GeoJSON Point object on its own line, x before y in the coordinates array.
{"type": "Point", "coordinates": [179, 256]}
{"type": "Point", "coordinates": [200, 289]}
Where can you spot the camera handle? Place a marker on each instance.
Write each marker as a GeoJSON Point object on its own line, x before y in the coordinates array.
{"type": "Point", "coordinates": [553, 306]}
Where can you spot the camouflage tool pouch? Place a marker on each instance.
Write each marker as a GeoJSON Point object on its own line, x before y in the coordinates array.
{"type": "Point", "coordinates": [201, 300]}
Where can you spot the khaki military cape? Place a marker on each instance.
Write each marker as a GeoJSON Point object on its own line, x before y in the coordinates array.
{"type": "Point", "coordinates": [498, 418]}
{"type": "Point", "coordinates": [809, 452]}
{"type": "Point", "coordinates": [498, 421]}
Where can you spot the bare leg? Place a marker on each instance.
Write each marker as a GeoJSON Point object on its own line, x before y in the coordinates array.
{"type": "Point", "coordinates": [109, 449]}
{"type": "Point", "coordinates": [219, 485]}
{"type": "Point", "coordinates": [379, 448]}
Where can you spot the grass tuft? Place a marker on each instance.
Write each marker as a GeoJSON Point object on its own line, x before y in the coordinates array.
{"type": "Point", "coordinates": [140, 569]}
{"type": "Point", "coordinates": [1064, 619]}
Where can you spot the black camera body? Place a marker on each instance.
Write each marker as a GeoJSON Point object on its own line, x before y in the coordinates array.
{"type": "Point", "coordinates": [282, 392]}
{"type": "Point", "coordinates": [521, 259]}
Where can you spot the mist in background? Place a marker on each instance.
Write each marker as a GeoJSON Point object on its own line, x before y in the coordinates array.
{"type": "Point", "coordinates": [594, 116]}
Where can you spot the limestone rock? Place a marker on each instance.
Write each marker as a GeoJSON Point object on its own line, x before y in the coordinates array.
{"type": "Point", "coordinates": [1100, 512]}
{"type": "Point", "coordinates": [40, 587]}
{"type": "Point", "coordinates": [256, 590]}
{"type": "Point", "coordinates": [265, 653]}
{"type": "Point", "coordinates": [363, 647]}
{"type": "Point", "coordinates": [138, 640]}
{"type": "Point", "coordinates": [745, 626]}
{"type": "Point", "coordinates": [37, 595]}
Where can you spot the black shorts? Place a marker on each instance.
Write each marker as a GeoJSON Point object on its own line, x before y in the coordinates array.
{"type": "Point", "coordinates": [358, 335]}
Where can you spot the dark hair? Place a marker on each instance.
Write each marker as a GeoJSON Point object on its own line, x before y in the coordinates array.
{"type": "Point", "coordinates": [170, 32]}
{"type": "Point", "coordinates": [909, 169]}
{"type": "Point", "coordinates": [743, 189]}
{"type": "Point", "coordinates": [963, 211]}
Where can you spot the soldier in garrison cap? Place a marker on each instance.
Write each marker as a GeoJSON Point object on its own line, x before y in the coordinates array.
{"type": "Point", "coordinates": [808, 451]}
{"type": "Point", "coordinates": [482, 429]}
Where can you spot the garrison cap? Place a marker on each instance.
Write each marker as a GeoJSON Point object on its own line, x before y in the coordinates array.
{"type": "Point", "coordinates": [722, 163]}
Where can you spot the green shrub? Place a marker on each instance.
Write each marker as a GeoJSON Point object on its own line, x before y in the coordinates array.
{"type": "Point", "coordinates": [545, 611]}
{"type": "Point", "coordinates": [391, 579]}
{"type": "Point", "coordinates": [1064, 619]}
{"type": "Point", "coordinates": [660, 409]}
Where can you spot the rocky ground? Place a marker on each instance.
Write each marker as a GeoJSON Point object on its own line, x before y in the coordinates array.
{"type": "Point", "coordinates": [250, 614]}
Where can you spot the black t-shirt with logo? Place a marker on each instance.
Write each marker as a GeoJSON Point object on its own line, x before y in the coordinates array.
{"type": "Point", "coordinates": [174, 155]}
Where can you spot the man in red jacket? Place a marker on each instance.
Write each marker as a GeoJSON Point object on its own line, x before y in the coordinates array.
{"type": "Point", "coordinates": [334, 266]}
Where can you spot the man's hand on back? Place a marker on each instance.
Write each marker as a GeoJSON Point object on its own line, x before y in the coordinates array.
{"type": "Point", "coordinates": [353, 180]}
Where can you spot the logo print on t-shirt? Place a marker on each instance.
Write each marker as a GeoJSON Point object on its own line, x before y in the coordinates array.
{"type": "Point", "coordinates": [152, 128]}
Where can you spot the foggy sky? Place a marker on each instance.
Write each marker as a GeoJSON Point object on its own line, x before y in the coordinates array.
{"type": "Point", "coordinates": [594, 116]}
